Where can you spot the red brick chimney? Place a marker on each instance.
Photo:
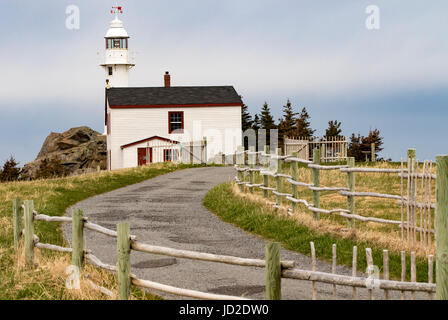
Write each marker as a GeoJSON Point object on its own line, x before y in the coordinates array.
{"type": "Point", "coordinates": [167, 78]}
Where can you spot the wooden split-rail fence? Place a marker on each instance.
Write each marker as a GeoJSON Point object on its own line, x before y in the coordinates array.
{"type": "Point", "coordinates": [276, 269]}
{"type": "Point", "coordinates": [417, 223]}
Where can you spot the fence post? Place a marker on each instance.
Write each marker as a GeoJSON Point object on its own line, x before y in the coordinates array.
{"type": "Point", "coordinates": [279, 179]}
{"type": "Point", "coordinates": [442, 228]}
{"type": "Point", "coordinates": [204, 155]}
{"type": "Point", "coordinates": [295, 177]}
{"type": "Point", "coordinates": [386, 271]}
{"type": "Point", "coordinates": [351, 187]}
{"type": "Point", "coordinates": [78, 239]}
{"type": "Point", "coordinates": [323, 152]}
{"type": "Point", "coordinates": [373, 151]}
{"type": "Point", "coordinates": [412, 154]}
{"type": "Point", "coordinates": [124, 261]}
{"type": "Point", "coordinates": [29, 233]}
{"type": "Point", "coordinates": [252, 159]}
{"type": "Point", "coordinates": [266, 177]}
{"type": "Point", "coordinates": [240, 163]}
{"type": "Point", "coordinates": [285, 146]}
{"type": "Point", "coordinates": [316, 183]}
{"type": "Point", "coordinates": [273, 272]}
{"type": "Point", "coordinates": [17, 221]}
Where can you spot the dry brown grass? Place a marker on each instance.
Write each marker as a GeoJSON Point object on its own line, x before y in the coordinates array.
{"type": "Point", "coordinates": [52, 197]}
{"type": "Point", "coordinates": [386, 236]}
{"type": "Point", "coordinates": [6, 226]}
{"type": "Point", "coordinates": [53, 269]}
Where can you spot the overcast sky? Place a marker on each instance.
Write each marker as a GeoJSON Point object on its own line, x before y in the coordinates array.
{"type": "Point", "coordinates": [317, 53]}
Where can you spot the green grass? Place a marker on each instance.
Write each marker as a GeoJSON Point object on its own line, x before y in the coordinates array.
{"type": "Point", "coordinates": [259, 220]}
{"type": "Point", "coordinates": [52, 197]}
{"type": "Point", "coordinates": [388, 235]}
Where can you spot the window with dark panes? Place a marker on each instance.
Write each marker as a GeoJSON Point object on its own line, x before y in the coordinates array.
{"type": "Point", "coordinates": [176, 122]}
{"type": "Point", "coordinates": [110, 71]}
{"type": "Point", "coordinates": [117, 43]}
{"type": "Point", "coordinates": [170, 155]}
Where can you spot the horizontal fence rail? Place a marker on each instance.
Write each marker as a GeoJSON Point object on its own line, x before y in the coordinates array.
{"type": "Point", "coordinates": [356, 282]}
{"type": "Point", "coordinates": [275, 267]}
{"type": "Point", "coordinates": [416, 224]}
{"type": "Point", "coordinates": [181, 292]}
{"type": "Point", "coordinates": [142, 247]}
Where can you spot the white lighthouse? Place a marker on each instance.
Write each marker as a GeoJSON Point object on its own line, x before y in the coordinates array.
{"type": "Point", "coordinates": [116, 64]}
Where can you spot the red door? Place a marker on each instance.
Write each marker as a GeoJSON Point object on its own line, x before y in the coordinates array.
{"type": "Point", "coordinates": [143, 154]}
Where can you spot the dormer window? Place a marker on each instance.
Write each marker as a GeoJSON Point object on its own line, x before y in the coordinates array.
{"type": "Point", "coordinates": [117, 43]}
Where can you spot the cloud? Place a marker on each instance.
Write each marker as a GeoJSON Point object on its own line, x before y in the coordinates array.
{"type": "Point", "coordinates": [274, 56]}
{"type": "Point", "coordinates": [316, 52]}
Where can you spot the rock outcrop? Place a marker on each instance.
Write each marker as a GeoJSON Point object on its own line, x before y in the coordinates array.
{"type": "Point", "coordinates": [79, 150]}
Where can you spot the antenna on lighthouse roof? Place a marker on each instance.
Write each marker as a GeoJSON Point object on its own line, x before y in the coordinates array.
{"type": "Point", "coordinates": [117, 10]}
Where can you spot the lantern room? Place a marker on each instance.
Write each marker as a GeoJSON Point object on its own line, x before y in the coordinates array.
{"type": "Point", "coordinates": [116, 32]}
{"type": "Point", "coordinates": [117, 43]}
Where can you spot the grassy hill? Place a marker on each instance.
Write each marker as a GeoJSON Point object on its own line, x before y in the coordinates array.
{"type": "Point", "coordinates": [52, 197]}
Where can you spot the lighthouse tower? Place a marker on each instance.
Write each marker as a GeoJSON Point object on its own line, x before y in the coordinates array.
{"type": "Point", "coordinates": [116, 64]}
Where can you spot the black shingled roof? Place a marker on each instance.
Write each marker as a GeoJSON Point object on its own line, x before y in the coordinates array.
{"type": "Point", "coordinates": [172, 96]}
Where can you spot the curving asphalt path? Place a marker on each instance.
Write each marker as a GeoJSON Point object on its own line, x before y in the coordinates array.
{"type": "Point", "coordinates": [168, 211]}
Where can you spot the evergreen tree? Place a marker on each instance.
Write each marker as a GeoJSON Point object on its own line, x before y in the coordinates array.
{"type": "Point", "coordinates": [267, 122]}
{"type": "Point", "coordinates": [10, 171]}
{"type": "Point", "coordinates": [354, 147]}
{"type": "Point", "coordinates": [334, 129]}
{"type": "Point", "coordinates": [373, 137]}
{"type": "Point", "coordinates": [246, 118]}
{"type": "Point", "coordinates": [304, 125]}
{"type": "Point", "coordinates": [288, 123]}
{"type": "Point", "coordinates": [256, 123]}
{"type": "Point", "coordinates": [359, 143]}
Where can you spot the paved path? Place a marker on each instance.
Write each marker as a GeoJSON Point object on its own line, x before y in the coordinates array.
{"type": "Point", "coordinates": [168, 211]}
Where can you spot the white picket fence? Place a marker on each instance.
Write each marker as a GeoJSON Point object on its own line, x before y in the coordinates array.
{"type": "Point", "coordinates": [333, 149]}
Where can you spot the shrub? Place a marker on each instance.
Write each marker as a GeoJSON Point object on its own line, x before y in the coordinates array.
{"type": "Point", "coordinates": [10, 171]}
{"type": "Point", "coordinates": [51, 169]}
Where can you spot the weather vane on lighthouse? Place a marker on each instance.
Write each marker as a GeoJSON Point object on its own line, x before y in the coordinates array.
{"type": "Point", "coordinates": [117, 10]}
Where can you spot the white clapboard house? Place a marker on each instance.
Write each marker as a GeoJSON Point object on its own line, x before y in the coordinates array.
{"type": "Point", "coordinates": [159, 124]}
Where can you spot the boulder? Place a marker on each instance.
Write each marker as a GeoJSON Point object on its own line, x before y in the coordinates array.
{"type": "Point", "coordinates": [79, 149]}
